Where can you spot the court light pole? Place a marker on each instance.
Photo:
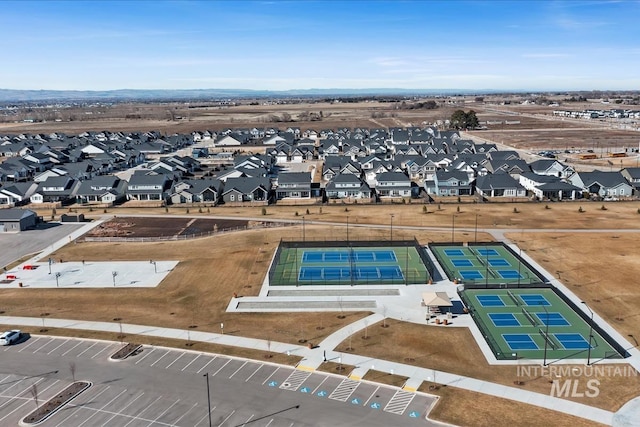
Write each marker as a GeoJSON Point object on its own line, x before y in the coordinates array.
{"type": "Point", "coordinates": [57, 276]}
{"type": "Point", "coordinates": [303, 230]}
{"type": "Point", "coordinates": [453, 228]}
{"type": "Point", "coordinates": [208, 398]}
{"type": "Point", "coordinates": [590, 333]}
{"type": "Point", "coordinates": [475, 231]}
{"type": "Point", "coordinates": [114, 274]}
{"type": "Point", "coordinates": [391, 228]}
{"type": "Point", "coordinates": [155, 267]}
{"type": "Point", "coordinates": [347, 228]}
{"type": "Point", "coordinates": [546, 334]}
{"type": "Point", "coordinates": [50, 262]}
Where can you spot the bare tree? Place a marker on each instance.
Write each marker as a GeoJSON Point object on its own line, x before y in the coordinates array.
{"type": "Point", "coordinates": [72, 369]}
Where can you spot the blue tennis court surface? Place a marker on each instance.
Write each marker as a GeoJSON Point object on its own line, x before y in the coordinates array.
{"type": "Point", "coordinates": [346, 256]}
{"type": "Point", "coordinates": [454, 252]}
{"type": "Point", "coordinates": [503, 319]}
{"type": "Point", "coordinates": [534, 299]}
{"type": "Point", "coordinates": [572, 341]}
{"type": "Point", "coordinates": [487, 252]}
{"type": "Point", "coordinates": [471, 275]}
{"type": "Point", "coordinates": [554, 319]}
{"type": "Point", "coordinates": [384, 272]}
{"type": "Point", "coordinates": [461, 263]}
{"type": "Point", "coordinates": [490, 300]}
{"type": "Point", "coordinates": [520, 342]}
{"type": "Point", "coordinates": [510, 274]}
{"type": "Point", "coordinates": [500, 262]}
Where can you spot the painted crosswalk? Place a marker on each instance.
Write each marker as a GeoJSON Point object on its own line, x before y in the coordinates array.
{"type": "Point", "coordinates": [399, 402]}
{"type": "Point", "coordinates": [294, 380]}
{"type": "Point", "coordinates": [344, 390]}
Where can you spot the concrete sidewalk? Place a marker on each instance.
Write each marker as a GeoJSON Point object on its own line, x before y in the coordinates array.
{"type": "Point", "coordinates": [312, 358]}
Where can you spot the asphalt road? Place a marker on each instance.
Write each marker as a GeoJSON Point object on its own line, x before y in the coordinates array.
{"type": "Point", "coordinates": [16, 245]}
{"type": "Point", "coordinates": [167, 387]}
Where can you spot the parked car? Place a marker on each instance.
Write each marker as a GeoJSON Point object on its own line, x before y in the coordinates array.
{"type": "Point", "coordinates": [10, 337]}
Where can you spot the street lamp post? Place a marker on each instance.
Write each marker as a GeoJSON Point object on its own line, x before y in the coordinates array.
{"type": "Point", "coordinates": [475, 231]}
{"type": "Point", "coordinates": [347, 228]}
{"type": "Point", "coordinates": [303, 230]}
{"type": "Point", "coordinates": [391, 228]}
{"type": "Point", "coordinates": [546, 334]}
{"type": "Point", "coordinates": [453, 228]}
{"type": "Point", "coordinates": [208, 398]}
{"type": "Point", "coordinates": [113, 275]}
{"type": "Point", "coordinates": [155, 267]}
{"type": "Point", "coordinates": [50, 262]}
{"type": "Point", "coordinates": [590, 333]}
{"type": "Point", "coordinates": [57, 276]}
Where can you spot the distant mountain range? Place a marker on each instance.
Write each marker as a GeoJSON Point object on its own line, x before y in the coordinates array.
{"type": "Point", "coordinates": [12, 95]}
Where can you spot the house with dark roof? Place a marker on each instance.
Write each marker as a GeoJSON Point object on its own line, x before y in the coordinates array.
{"type": "Point", "coordinates": [17, 193]}
{"type": "Point", "coordinates": [393, 185]}
{"type": "Point", "coordinates": [633, 177]}
{"type": "Point", "coordinates": [196, 191]}
{"type": "Point", "coordinates": [246, 189]}
{"type": "Point", "coordinates": [449, 183]}
{"type": "Point", "coordinates": [15, 220]}
{"type": "Point", "coordinates": [499, 185]}
{"type": "Point", "coordinates": [602, 184]}
{"type": "Point", "coordinates": [551, 167]}
{"type": "Point", "coordinates": [549, 187]}
{"type": "Point", "coordinates": [103, 189]}
{"type": "Point", "coordinates": [145, 185]}
{"type": "Point", "coordinates": [293, 185]}
{"type": "Point", "coordinates": [347, 186]}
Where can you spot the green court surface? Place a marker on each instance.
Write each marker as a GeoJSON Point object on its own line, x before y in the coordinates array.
{"type": "Point", "coordinates": [520, 323]}
{"type": "Point", "coordinates": [348, 266]}
{"type": "Point", "coordinates": [484, 264]}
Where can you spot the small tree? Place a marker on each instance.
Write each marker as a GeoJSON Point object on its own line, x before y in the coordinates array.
{"type": "Point", "coordinates": [425, 210]}
{"type": "Point", "coordinates": [307, 211]}
{"type": "Point", "coordinates": [34, 393]}
{"type": "Point", "coordinates": [264, 211]}
{"type": "Point", "coordinates": [72, 369]}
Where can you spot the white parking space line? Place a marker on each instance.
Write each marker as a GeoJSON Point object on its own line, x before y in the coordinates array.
{"type": "Point", "coordinates": [27, 399]}
{"type": "Point", "coordinates": [65, 353]}
{"type": "Point", "coordinates": [125, 407]}
{"type": "Point", "coordinates": [49, 341]}
{"type": "Point", "coordinates": [154, 363]}
{"type": "Point", "coordinates": [254, 372]}
{"type": "Point", "coordinates": [269, 377]}
{"type": "Point", "coordinates": [137, 416]}
{"type": "Point", "coordinates": [205, 416]}
{"type": "Point", "coordinates": [372, 394]}
{"type": "Point", "coordinates": [29, 345]}
{"type": "Point", "coordinates": [207, 364]}
{"type": "Point", "coordinates": [105, 405]}
{"type": "Point", "coordinates": [176, 422]}
{"type": "Point", "coordinates": [175, 360]}
{"type": "Point", "coordinates": [319, 385]}
{"type": "Point", "coordinates": [237, 370]}
{"type": "Point", "coordinates": [80, 406]}
{"type": "Point", "coordinates": [228, 416]}
{"type": "Point", "coordinates": [189, 364]}
{"type": "Point", "coordinates": [164, 412]}
{"type": "Point", "coordinates": [58, 346]}
{"type": "Point", "coordinates": [248, 419]}
{"type": "Point", "coordinates": [269, 423]}
{"type": "Point", "coordinates": [145, 356]}
{"type": "Point", "coordinates": [221, 368]}
{"type": "Point", "coordinates": [96, 355]}
{"type": "Point", "coordinates": [15, 384]}
{"type": "Point", "coordinates": [87, 349]}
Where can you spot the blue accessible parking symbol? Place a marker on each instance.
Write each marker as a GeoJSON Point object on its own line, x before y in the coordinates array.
{"type": "Point", "coordinates": [356, 401]}
{"type": "Point", "coordinates": [304, 390]}
{"type": "Point", "coordinates": [375, 405]}
{"type": "Point", "coordinates": [414, 414]}
{"type": "Point", "coordinates": [273, 384]}
{"type": "Point", "coordinates": [322, 393]}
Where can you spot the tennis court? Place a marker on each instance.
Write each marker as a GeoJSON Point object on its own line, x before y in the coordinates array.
{"type": "Point", "coordinates": [522, 323]}
{"type": "Point", "coordinates": [488, 264]}
{"type": "Point", "coordinates": [304, 264]}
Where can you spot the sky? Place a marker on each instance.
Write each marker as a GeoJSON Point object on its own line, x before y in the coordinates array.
{"type": "Point", "coordinates": [281, 45]}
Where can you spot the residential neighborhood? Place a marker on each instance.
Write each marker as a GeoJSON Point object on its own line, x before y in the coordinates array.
{"type": "Point", "coordinates": [269, 165]}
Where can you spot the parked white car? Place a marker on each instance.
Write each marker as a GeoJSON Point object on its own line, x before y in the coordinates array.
{"type": "Point", "coordinates": [10, 337]}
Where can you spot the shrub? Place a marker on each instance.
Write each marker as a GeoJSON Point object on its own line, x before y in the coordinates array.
{"type": "Point", "coordinates": [166, 209]}
{"type": "Point", "coordinates": [439, 207]}
{"type": "Point", "coordinates": [603, 208]}
{"type": "Point", "coordinates": [580, 209]}
{"type": "Point", "coordinates": [547, 207]}
{"type": "Point", "coordinates": [187, 210]}
{"type": "Point", "coordinates": [296, 213]}
{"type": "Point", "coordinates": [264, 211]}
{"type": "Point", "coordinates": [457, 208]}
{"type": "Point", "coordinates": [424, 209]}
{"type": "Point", "coordinates": [515, 210]}
{"type": "Point", "coordinates": [346, 209]}
{"type": "Point", "coordinates": [307, 211]}
{"type": "Point", "coordinates": [200, 210]}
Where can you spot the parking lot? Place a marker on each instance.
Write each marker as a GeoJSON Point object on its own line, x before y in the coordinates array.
{"type": "Point", "coordinates": [167, 387]}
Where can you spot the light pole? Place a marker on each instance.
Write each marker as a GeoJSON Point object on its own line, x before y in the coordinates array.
{"type": "Point", "coordinates": [50, 262]}
{"type": "Point", "coordinates": [303, 230]}
{"type": "Point", "coordinates": [546, 334]}
{"type": "Point", "coordinates": [347, 228]}
{"type": "Point", "coordinates": [475, 231]}
{"type": "Point", "coordinates": [453, 228]}
{"type": "Point", "coordinates": [208, 398]}
{"type": "Point", "coordinates": [57, 276]}
{"type": "Point", "coordinates": [114, 274]}
{"type": "Point", "coordinates": [391, 228]}
{"type": "Point", "coordinates": [155, 267]}
{"type": "Point", "coordinates": [590, 333]}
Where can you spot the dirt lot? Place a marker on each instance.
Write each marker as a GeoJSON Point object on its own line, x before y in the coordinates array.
{"type": "Point", "coordinates": [163, 226]}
